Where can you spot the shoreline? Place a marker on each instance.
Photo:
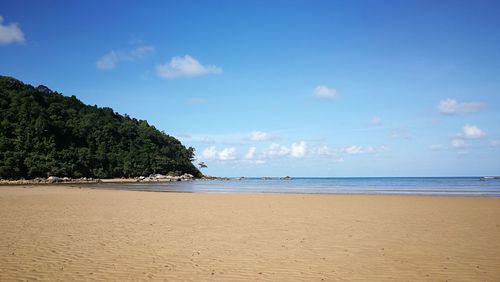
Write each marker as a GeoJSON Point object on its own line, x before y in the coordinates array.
{"type": "Point", "coordinates": [155, 178]}
{"type": "Point", "coordinates": [92, 187]}
{"type": "Point", "coordinates": [113, 185]}
{"type": "Point", "coordinates": [273, 192]}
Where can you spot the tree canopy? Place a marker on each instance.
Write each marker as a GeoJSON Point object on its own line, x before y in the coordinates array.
{"type": "Point", "coordinates": [44, 133]}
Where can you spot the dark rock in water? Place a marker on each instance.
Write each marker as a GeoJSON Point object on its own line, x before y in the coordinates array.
{"type": "Point", "coordinates": [286, 178]}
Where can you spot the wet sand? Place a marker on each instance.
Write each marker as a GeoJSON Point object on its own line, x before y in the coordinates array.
{"type": "Point", "coordinates": [61, 233]}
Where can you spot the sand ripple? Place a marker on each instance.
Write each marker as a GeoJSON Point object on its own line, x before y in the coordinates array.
{"type": "Point", "coordinates": [61, 234]}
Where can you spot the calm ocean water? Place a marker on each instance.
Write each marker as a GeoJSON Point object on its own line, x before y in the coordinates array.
{"type": "Point", "coordinates": [455, 186]}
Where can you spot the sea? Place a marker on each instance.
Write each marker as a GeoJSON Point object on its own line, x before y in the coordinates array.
{"type": "Point", "coordinates": [443, 186]}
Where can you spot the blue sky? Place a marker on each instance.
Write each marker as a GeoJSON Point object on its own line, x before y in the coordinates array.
{"type": "Point", "coordinates": [301, 88]}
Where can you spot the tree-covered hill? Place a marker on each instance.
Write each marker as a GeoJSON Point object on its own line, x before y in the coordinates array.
{"type": "Point", "coordinates": [45, 133]}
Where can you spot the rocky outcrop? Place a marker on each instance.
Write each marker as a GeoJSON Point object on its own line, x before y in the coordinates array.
{"type": "Point", "coordinates": [49, 180]}
{"type": "Point", "coordinates": [53, 179]}
{"type": "Point", "coordinates": [83, 180]}
{"type": "Point", "coordinates": [165, 178]}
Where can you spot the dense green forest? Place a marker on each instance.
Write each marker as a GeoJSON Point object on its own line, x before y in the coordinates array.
{"type": "Point", "coordinates": [44, 133]}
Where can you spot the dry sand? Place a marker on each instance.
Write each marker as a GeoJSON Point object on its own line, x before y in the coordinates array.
{"type": "Point", "coordinates": [62, 234]}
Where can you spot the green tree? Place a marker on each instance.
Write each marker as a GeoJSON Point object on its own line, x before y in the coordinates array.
{"type": "Point", "coordinates": [45, 133]}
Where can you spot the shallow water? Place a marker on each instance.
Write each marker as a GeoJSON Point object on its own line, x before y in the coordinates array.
{"type": "Point", "coordinates": [454, 186]}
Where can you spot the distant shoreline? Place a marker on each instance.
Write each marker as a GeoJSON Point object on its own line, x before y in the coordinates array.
{"type": "Point", "coordinates": [430, 186]}
{"type": "Point", "coordinates": [157, 178]}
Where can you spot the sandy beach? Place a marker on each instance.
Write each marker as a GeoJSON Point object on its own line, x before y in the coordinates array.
{"type": "Point", "coordinates": [63, 233]}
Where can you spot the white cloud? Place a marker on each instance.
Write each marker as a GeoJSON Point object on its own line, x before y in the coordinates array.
{"type": "Point", "coordinates": [277, 150]}
{"type": "Point", "coordinates": [110, 60]}
{"type": "Point", "coordinates": [324, 92]}
{"type": "Point", "coordinates": [376, 120]}
{"type": "Point", "coordinates": [356, 150]}
{"type": "Point", "coordinates": [10, 33]}
{"type": "Point", "coordinates": [209, 153]}
{"type": "Point", "coordinates": [353, 150]}
{"type": "Point", "coordinates": [451, 106]}
{"type": "Point", "coordinates": [326, 151]}
{"type": "Point", "coordinates": [260, 136]}
{"type": "Point", "coordinates": [298, 150]}
{"type": "Point", "coordinates": [225, 154]}
{"type": "Point", "coordinates": [251, 153]}
{"type": "Point", "coordinates": [473, 132]}
{"type": "Point", "coordinates": [186, 66]}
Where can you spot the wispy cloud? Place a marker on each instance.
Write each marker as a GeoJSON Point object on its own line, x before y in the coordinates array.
{"type": "Point", "coordinates": [296, 150]}
{"type": "Point", "coordinates": [332, 154]}
{"type": "Point", "coordinates": [495, 143]}
{"type": "Point", "coordinates": [226, 154]}
{"type": "Point", "coordinates": [400, 133]}
{"type": "Point", "coordinates": [260, 136]}
{"type": "Point", "coordinates": [376, 120]}
{"type": "Point", "coordinates": [113, 58]}
{"type": "Point", "coordinates": [452, 106]}
{"type": "Point", "coordinates": [349, 150]}
{"type": "Point", "coordinates": [460, 141]}
{"type": "Point", "coordinates": [10, 33]}
{"type": "Point", "coordinates": [277, 150]}
{"type": "Point", "coordinates": [458, 144]}
{"type": "Point", "coordinates": [472, 132]}
{"type": "Point", "coordinates": [325, 151]}
{"type": "Point", "coordinates": [186, 66]}
{"type": "Point", "coordinates": [209, 153]}
{"type": "Point", "coordinates": [356, 150]}
{"type": "Point", "coordinates": [324, 92]}
{"type": "Point", "coordinates": [300, 150]}
{"type": "Point", "coordinates": [250, 155]}
{"type": "Point", "coordinates": [228, 139]}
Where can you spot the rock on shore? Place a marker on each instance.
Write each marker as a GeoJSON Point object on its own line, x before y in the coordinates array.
{"type": "Point", "coordinates": [50, 180]}
{"type": "Point", "coordinates": [84, 180]}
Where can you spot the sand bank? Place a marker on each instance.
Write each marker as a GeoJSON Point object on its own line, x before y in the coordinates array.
{"type": "Point", "coordinates": [60, 233]}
